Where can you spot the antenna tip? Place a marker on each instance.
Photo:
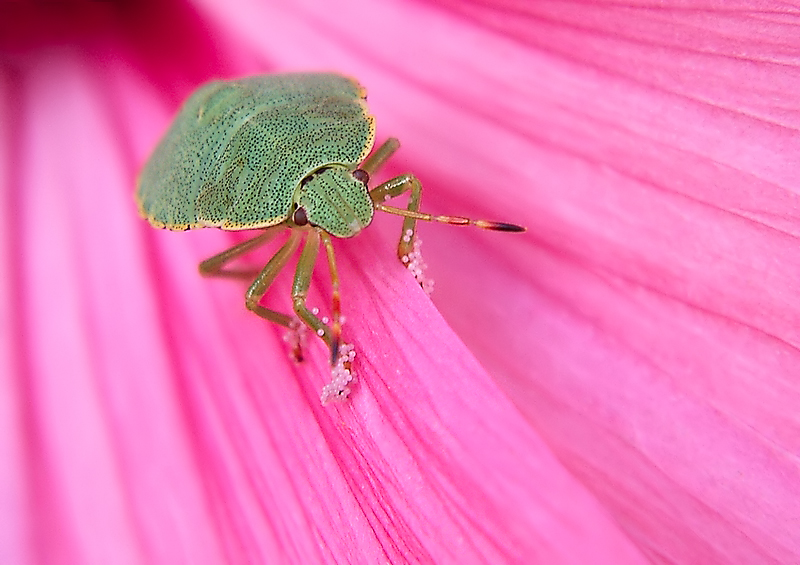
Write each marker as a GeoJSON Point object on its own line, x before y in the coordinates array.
{"type": "Point", "coordinates": [503, 226]}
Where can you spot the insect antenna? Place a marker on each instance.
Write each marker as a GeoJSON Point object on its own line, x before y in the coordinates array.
{"type": "Point", "coordinates": [452, 220]}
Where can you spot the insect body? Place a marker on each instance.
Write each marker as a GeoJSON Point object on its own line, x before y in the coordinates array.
{"type": "Point", "coordinates": [279, 152]}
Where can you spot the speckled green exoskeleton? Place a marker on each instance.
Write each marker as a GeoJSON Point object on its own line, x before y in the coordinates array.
{"type": "Point", "coordinates": [279, 152]}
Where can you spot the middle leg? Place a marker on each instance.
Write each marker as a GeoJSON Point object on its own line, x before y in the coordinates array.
{"type": "Point", "coordinates": [215, 266]}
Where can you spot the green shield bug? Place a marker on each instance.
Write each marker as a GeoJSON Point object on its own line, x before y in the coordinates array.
{"type": "Point", "coordinates": [285, 152]}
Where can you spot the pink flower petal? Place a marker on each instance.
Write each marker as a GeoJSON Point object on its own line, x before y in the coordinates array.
{"type": "Point", "coordinates": [152, 419]}
{"type": "Point", "coordinates": [647, 324]}
{"type": "Point", "coordinates": [428, 416]}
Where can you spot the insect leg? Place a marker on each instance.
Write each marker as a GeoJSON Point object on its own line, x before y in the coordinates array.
{"type": "Point", "coordinates": [213, 266]}
{"type": "Point", "coordinates": [302, 281]}
{"type": "Point", "coordinates": [265, 279]}
{"type": "Point", "coordinates": [336, 304]}
{"type": "Point", "coordinates": [380, 156]}
{"type": "Point", "coordinates": [393, 188]}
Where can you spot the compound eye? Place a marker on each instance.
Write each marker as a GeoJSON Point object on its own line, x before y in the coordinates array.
{"type": "Point", "coordinates": [361, 175]}
{"type": "Point", "coordinates": [300, 218]}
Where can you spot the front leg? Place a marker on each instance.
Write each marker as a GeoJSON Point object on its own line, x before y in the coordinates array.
{"type": "Point", "coordinates": [392, 189]}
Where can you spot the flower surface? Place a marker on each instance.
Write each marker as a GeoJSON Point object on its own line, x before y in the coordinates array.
{"type": "Point", "coordinates": [617, 385]}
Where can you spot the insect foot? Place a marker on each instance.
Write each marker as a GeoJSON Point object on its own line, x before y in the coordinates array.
{"type": "Point", "coordinates": [295, 338]}
{"type": "Point", "coordinates": [342, 376]}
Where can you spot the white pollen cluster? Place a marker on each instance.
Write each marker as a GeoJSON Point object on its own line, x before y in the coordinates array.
{"type": "Point", "coordinates": [417, 266]}
{"type": "Point", "coordinates": [342, 376]}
